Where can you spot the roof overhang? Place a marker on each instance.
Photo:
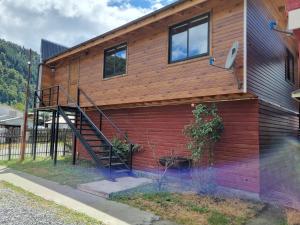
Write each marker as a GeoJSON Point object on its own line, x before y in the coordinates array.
{"type": "Point", "coordinates": [294, 19]}
{"type": "Point", "coordinates": [296, 95]}
{"type": "Point", "coordinates": [155, 16]}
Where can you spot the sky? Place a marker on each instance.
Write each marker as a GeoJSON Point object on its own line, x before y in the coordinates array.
{"type": "Point", "coordinates": [67, 22]}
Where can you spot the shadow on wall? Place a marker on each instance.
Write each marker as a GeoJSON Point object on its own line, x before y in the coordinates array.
{"type": "Point", "coordinates": [280, 173]}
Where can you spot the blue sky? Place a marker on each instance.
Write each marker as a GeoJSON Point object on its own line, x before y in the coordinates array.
{"type": "Point", "coordinates": [67, 22]}
{"type": "Point", "coordinates": [139, 3]}
{"type": "Point", "coordinates": [136, 3]}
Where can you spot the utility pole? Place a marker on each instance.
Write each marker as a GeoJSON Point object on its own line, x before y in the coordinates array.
{"type": "Point", "coordinates": [24, 128]}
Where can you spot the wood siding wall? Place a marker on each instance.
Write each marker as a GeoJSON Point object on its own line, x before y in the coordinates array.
{"type": "Point", "coordinates": [237, 154]}
{"type": "Point", "coordinates": [47, 78]}
{"type": "Point", "coordinates": [149, 76]}
{"type": "Point", "coordinates": [266, 54]}
{"type": "Point", "coordinates": [277, 157]}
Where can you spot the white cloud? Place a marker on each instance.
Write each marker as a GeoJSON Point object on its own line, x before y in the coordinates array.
{"type": "Point", "coordinates": [68, 22]}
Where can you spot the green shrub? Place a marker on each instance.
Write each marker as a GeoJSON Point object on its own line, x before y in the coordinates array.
{"type": "Point", "coordinates": [122, 147]}
{"type": "Point", "coordinates": [204, 132]}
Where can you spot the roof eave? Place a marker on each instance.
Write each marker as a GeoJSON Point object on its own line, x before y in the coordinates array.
{"type": "Point", "coordinates": [133, 25]}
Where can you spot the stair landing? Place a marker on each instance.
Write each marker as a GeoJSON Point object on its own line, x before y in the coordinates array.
{"type": "Point", "coordinates": [105, 188]}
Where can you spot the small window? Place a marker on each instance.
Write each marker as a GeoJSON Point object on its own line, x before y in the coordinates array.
{"type": "Point", "coordinates": [290, 67]}
{"type": "Point", "coordinates": [189, 39]}
{"type": "Point", "coordinates": [115, 61]}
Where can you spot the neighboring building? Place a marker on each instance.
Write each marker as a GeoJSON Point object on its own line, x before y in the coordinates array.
{"type": "Point", "coordinates": [62, 123]}
{"type": "Point", "coordinates": [10, 119]}
{"type": "Point", "coordinates": [146, 74]}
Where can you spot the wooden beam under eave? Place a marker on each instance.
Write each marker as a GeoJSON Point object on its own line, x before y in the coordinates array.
{"type": "Point", "coordinates": [195, 100]}
{"type": "Point", "coordinates": [130, 28]}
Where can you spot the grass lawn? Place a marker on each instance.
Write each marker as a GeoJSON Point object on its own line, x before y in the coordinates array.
{"type": "Point", "coordinates": [65, 214]}
{"type": "Point", "coordinates": [63, 173]}
{"type": "Point", "coordinates": [185, 209]}
{"type": "Point", "coordinates": [191, 209]}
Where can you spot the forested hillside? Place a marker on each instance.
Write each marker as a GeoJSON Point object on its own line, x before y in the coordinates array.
{"type": "Point", "coordinates": [14, 72]}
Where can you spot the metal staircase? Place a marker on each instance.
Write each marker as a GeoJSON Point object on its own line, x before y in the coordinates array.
{"type": "Point", "coordinates": [92, 138]}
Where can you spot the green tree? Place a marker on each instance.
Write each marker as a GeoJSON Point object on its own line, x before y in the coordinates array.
{"type": "Point", "coordinates": [14, 72]}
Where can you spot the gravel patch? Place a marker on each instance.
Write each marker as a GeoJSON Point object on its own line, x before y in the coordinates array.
{"type": "Point", "coordinates": [18, 209]}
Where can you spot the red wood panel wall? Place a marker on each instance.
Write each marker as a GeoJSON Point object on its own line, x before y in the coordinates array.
{"type": "Point", "coordinates": [292, 4]}
{"type": "Point", "coordinates": [237, 154]}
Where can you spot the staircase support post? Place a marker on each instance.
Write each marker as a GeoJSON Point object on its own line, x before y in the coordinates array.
{"type": "Point", "coordinates": [52, 134]}
{"type": "Point", "coordinates": [76, 125]}
{"type": "Point", "coordinates": [34, 122]}
{"type": "Point", "coordinates": [74, 142]}
{"type": "Point", "coordinates": [110, 158]}
{"type": "Point", "coordinates": [35, 132]}
{"type": "Point", "coordinates": [74, 150]}
{"type": "Point", "coordinates": [56, 135]}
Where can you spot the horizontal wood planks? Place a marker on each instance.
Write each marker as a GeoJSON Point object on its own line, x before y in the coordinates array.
{"type": "Point", "coordinates": [266, 55]}
{"type": "Point", "coordinates": [276, 128]}
{"type": "Point", "coordinates": [149, 76]}
{"type": "Point", "coordinates": [160, 131]}
{"type": "Point", "coordinates": [47, 78]}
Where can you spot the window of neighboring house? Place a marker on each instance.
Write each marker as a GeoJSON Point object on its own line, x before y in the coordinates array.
{"type": "Point", "coordinates": [189, 39]}
{"type": "Point", "coordinates": [115, 61]}
{"type": "Point", "coordinates": [290, 67]}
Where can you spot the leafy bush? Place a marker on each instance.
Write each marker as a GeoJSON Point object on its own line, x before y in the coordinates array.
{"type": "Point", "coordinates": [204, 132]}
{"type": "Point", "coordinates": [123, 148]}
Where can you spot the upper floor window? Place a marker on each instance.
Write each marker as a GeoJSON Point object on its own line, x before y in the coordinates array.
{"type": "Point", "coordinates": [189, 39]}
{"type": "Point", "coordinates": [290, 67]}
{"type": "Point", "coordinates": [115, 61]}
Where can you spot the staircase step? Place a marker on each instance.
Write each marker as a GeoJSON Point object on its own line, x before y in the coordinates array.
{"type": "Point", "coordinates": [101, 154]}
{"type": "Point", "coordinates": [98, 146]}
{"type": "Point", "coordinates": [116, 164]}
{"type": "Point", "coordinates": [94, 141]}
{"type": "Point", "coordinates": [89, 134]}
{"type": "Point", "coordinates": [85, 125]}
{"type": "Point", "coordinates": [86, 135]}
{"type": "Point", "coordinates": [107, 157]}
{"type": "Point", "coordinates": [122, 171]}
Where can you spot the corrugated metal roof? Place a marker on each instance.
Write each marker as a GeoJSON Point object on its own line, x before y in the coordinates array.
{"type": "Point", "coordinates": [50, 49]}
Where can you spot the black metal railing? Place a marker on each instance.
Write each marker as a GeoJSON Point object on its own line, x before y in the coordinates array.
{"type": "Point", "coordinates": [47, 97]}
{"type": "Point", "coordinates": [54, 96]}
{"type": "Point", "coordinates": [82, 114]}
{"type": "Point", "coordinates": [102, 116]}
{"type": "Point", "coordinates": [51, 97]}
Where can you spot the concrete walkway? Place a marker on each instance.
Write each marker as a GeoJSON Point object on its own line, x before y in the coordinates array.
{"type": "Point", "coordinates": [109, 212]}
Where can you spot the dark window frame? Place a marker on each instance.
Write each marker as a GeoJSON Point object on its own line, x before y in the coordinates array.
{"type": "Point", "coordinates": [290, 72]}
{"type": "Point", "coordinates": [206, 19]}
{"type": "Point", "coordinates": [115, 49]}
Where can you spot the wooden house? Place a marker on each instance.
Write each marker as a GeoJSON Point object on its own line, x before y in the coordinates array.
{"type": "Point", "coordinates": [146, 76]}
